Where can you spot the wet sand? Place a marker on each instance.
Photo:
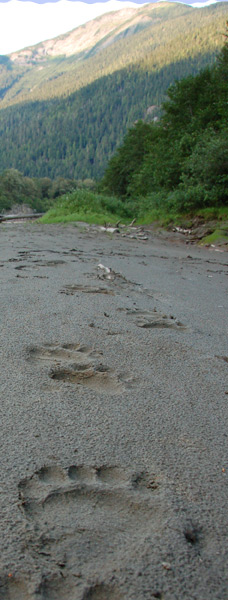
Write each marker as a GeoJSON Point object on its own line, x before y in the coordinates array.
{"type": "Point", "coordinates": [114, 395]}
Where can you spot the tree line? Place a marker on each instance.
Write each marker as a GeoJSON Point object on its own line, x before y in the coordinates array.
{"type": "Point", "coordinates": [181, 162]}
{"type": "Point", "coordinates": [38, 193]}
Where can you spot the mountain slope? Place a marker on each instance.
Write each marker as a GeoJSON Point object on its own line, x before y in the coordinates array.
{"type": "Point", "coordinates": [157, 34]}
{"type": "Point", "coordinates": [119, 79]}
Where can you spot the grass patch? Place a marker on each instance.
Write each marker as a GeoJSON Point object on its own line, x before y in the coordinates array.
{"type": "Point", "coordinates": [219, 235]}
{"type": "Point", "coordinates": [214, 212]}
{"type": "Point", "coordinates": [160, 217]}
{"type": "Point", "coordinates": [83, 205]}
{"type": "Point", "coordinates": [91, 218]}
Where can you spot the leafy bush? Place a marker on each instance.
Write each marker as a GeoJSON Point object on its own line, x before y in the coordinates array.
{"type": "Point", "coordinates": [83, 205]}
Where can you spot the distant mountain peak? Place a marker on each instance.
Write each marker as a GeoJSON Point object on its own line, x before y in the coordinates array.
{"type": "Point", "coordinates": [104, 27]}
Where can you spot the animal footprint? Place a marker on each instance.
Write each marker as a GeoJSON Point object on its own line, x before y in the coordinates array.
{"type": "Point", "coordinates": [49, 263]}
{"type": "Point", "coordinates": [57, 588]}
{"type": "Point", "coordinates": [54, 587]}
{"type": "Point", "coordinates": [14, 588]}
{"type": "Point", "coordinates": [88, 519]}
{"type": "Point", "coordinates": [69, 290]}
{"type": "Point", "coordinates": [96, 378]}
{"type": "Point", "coordinates": [153, 319]}
{"type": "Point", "coordinates": [79, 365]}
{"type": "Point", "coordinates": [74, 352]}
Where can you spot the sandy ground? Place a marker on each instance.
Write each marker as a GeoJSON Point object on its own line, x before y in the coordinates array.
{"type": "Point", "coordinates": [113, 409]}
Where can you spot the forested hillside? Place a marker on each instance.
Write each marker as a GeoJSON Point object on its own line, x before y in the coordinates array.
{"type": "Point", "coordinates": [120, 79]}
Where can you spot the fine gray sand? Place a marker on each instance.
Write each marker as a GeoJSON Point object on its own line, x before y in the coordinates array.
{"type": "Point", "coordinates": [114, 397]}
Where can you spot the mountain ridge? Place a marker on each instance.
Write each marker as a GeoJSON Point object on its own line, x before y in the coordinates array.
{"type": "Point", "coordinates": [89, 34]}
{"type": "Point", "coordinates": [129, 41]}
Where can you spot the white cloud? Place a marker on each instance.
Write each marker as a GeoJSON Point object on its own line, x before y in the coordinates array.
{"type": "Point", "coordinates": [27, 23]}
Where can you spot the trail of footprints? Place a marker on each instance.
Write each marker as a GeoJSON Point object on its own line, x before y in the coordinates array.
{"type": "Point", "coordinates": [81, 365]}
{"type": "Point", "coordinates": [87, 520]}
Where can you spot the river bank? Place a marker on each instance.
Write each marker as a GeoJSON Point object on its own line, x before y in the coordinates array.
{"type": "Point", "coordinates": [113, 416]}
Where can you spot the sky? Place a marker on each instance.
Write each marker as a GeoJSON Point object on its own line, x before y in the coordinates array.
{"type": "Point", "coordinates": [25, 22]}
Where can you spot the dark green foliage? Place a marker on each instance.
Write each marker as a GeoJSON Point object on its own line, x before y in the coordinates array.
{"type": "Point", "coordinates": [39, 194]}
{"type": "Point", "coordinates": [181, 163]}
{"type": "Point", "coordinates": [129, 158]}
{"type": "Point", "coordinates": [206, 169]}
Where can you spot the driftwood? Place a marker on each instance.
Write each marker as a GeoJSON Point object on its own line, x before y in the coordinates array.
{"type": "Point", "coordinates": [20, 217]}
